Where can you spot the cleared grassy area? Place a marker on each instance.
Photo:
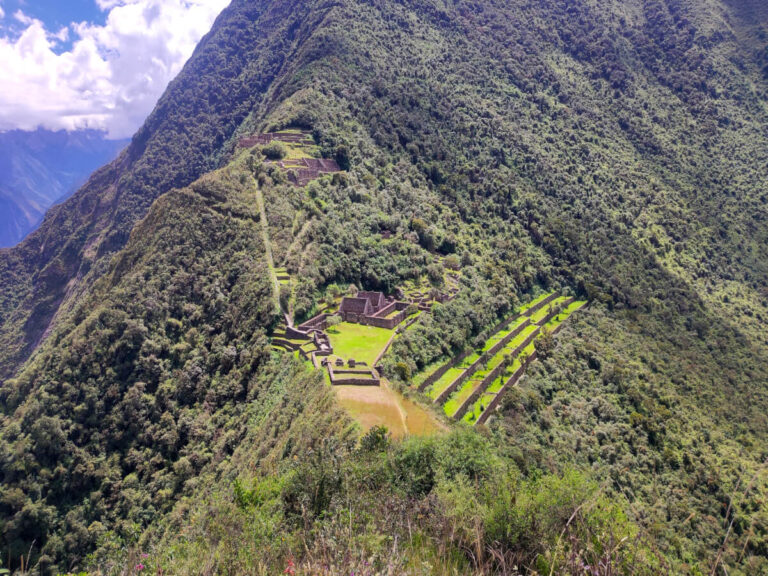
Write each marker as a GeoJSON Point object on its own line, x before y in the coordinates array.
{"type": "Point", "coordinates": [525, 307]}
{"type": "Point", "coordinates": [439, 387]}
{"type": "Point", "coordinates": [382, 406]}
{"type": "Point", "coordinates": [361, 343]}
{"type": "Point", "coordinates": [462, 395]}
{"type": "Point", "coordinates": [430, 369]}
{"type": "Point", "coordinates": [539, 315]}
{"type": "Point", "coordinates": [493, 340]}
{"type": "Point", "coordinates": [514, 343]}
{"type": "Point", "coordinates": [563, 316]}
{"type": "Point", "coordinates": [445, 380]}
{"type": "Point", "coordinates": [373, 406]}
{"type": "Point", "coordinates": [299, 151]}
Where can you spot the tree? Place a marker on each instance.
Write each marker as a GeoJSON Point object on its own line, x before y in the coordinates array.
{"type": "Point", "coordinates": [332, 322]}
{"type": "Point", "coordinates": [275, 151]}
{"type": "Point", "coordinates": [452, 262]}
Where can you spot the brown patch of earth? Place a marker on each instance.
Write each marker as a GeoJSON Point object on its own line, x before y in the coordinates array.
{"type": "Point", "coordinates": [381, 406]}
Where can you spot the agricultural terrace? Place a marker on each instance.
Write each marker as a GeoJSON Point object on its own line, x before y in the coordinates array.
{"type": "Point", "coordinates": [468, 386]}
{"type": "Point", "coordinates": [533, 303]}
{"type": "Point", "coordinates": [497, 386]}
{"type": "Point", "coordinates": [295, 152]}
{"type": "Point", "coordinates": [442, 384]}
{"type": "Point", "coordinates": [450, 376]}
{"type": "Point", "coordinates": [282, 276]}
{"type": "Point", "coordinates": [538, 316]}
{"type": "Point", "coordinates": [479, 378]}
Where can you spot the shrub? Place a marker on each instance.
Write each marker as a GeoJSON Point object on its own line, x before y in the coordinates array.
{"type": "Point", "coordinates": [274, 151]}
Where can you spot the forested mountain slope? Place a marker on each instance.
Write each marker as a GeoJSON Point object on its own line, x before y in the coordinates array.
{"type": "Point", "coordinates": [614, 148]}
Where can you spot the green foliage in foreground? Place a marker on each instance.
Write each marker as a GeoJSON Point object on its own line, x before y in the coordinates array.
{"type": "Point", "coordinates": [447, 505]}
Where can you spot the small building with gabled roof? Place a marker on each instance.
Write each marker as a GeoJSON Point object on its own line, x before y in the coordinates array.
{"type": "Point", "coordinates": [355, 309]}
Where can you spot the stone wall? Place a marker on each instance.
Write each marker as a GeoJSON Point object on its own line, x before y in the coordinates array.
{"type": "Point", "coordinates": [285, 344]}
{"type": "Point", "coordinates": [353, 377]}
{"type": "Point", "coordinates": [443, 369]}
{"type": "Point", "coordinates": [317, 323]}
{"type": "Point", "coordinates": [295, 334]}
{"type": "Point", "coordinates": [387, 323]}
{"type": "Point", "coordinates": [507, 339]}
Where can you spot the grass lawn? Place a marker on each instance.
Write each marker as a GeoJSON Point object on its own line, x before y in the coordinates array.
{"type": "Point", "coordinates": [430, 369]}
{"type": "Point", "coordinates": [514, 343]}
{"type": "Point", "coordinates": [457, 400]}
{"type": "Point", "coordinates": [362, 343]}
{"type": "Point", "coordinates": [469, 360]}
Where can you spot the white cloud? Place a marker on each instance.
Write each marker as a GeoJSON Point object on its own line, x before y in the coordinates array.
{"type": "Point", "coordinates": [113, 74]}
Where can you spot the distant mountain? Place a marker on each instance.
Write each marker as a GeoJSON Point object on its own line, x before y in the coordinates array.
{"type": "Point", "coordinates": [38, 169]}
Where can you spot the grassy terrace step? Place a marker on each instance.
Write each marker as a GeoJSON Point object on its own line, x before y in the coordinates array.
{"type": "Point", "coordinates": [496, 338]}
{"type": "Point", "coordinates": [428, 370]}
{"type": "Point", "coordinates": [509, 348]}
{"type": "Point", "coordinates": [448, 378]}
{"type": "Point", "coordinates": [533, 303]}
{"type": "Point", "coordinates": [457, 400]}
{"type": "Point", "coordinates": [563, 316]}
{"type": "Point", "coordinates": [541, 314]}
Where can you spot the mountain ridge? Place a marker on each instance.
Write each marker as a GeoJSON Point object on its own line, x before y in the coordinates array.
{"type": "Point", "coordinates": [42, 168]}
{"type": "Point", "coordinates": [612, 149]}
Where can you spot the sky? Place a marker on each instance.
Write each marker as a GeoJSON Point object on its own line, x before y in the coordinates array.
{"type": "Point", "coordinates": [93, 64]}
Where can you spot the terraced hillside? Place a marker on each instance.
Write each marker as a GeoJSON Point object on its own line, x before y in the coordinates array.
{"type": "Point", "coordinates": [470, 386]}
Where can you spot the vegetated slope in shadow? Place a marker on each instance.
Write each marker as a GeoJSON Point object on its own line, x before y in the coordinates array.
{"type": "Point", "coordinates": [186, 136]}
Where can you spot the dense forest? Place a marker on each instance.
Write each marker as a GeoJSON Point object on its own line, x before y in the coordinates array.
{"type": "Point", "coordinates": [613, 149]}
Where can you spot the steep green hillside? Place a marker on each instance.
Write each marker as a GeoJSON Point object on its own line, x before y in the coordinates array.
{"type": "Point", "coordinates": [614, 150]}
{"type": "Point", "coordinates": [183, 138]}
